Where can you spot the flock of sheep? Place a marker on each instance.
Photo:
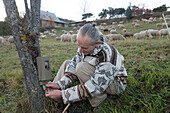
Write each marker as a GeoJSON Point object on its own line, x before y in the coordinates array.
{"type": "Point", "coordinates": [112, 34]}
{"type": "Point", "coordinates": [109, 31]}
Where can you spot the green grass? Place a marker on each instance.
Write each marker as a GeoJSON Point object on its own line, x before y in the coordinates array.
{"type": "Point", "coordinates": [147, 63]}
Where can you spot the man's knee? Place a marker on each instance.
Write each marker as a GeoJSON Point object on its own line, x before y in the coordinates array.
{"type": "Point", "coordinates": [84, 71]}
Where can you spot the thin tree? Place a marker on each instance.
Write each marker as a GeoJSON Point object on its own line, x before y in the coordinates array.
{"type": "Point", "coordinates": [25, 32]}
{"type": "Point", "coordinates": [103, 14]}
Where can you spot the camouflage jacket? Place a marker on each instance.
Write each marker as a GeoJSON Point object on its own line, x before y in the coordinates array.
{"type": "Point", "coordinates": [109, 65]}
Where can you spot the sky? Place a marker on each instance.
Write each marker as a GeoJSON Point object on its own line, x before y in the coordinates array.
{"type": "Point", "coordinates": [73, 9]}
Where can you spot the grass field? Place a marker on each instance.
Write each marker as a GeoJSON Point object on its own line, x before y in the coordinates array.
{"type": "Point", "coordinates": [146, 60]}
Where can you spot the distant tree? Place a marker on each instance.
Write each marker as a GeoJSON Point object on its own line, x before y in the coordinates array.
{"type": "Point", "coordinates": [25, 32]}
{"type": "Point", "coordinates": [128, 12]}
{"type": "Point", "coordinates": [103, 14]}
{"type": "Point", "coordinates": [119, 11]}
{"type": "Point", "coordinates": [86, 15]}
{"type": "Point", "coordinates": [160, 9]}
{"type": "Point", "coordinates": [111, 12]}
{"type": "Point", "coordinates": [84, 6]}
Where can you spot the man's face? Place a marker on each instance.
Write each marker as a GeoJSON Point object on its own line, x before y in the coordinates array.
{"type": "Point", "coordinates": [84, 44]}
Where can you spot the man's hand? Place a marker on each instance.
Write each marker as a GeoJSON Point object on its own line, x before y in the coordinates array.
{"type": "Point", "coordinates": [53, 93]}
{"type": "Point", "coordinates": [52, 85]}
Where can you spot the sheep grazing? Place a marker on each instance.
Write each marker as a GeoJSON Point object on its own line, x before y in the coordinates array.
{"type": "Point", "coordinates": [71, 32]}
{"type": "Point", "coordinates": [164, 32]}
{"type": "Point", "coordinates": [158, 24]}
{"type": "Point", "coordinates": [73, 37]}
{"type": "Point", "coordinates": [103, 24]}
{"type": "Point", "coordinates": [121, 22]}
{"type": "Point", "coordinates": [64, 31]}
{"type": "Point", "coordinates": [54, 31]}
{"type": "Point", "coordinates": [46, 32]}
{"type": "Point", "coordinates": [133, 23]}
{"type": "Point", "coordinates": [112, 37]}
{"type": "Point", "coordinates": [58, 38]}
{"type": "Point", "coordinates": [113, 32]}
{"type": "Point", "coordinates": [137, 25]}
{"type": "Point", "coordinates": [43, 36]}
{"type": "Point", "coordinates": [127, 34]}
{"type": "Point", "coordinates": [152, 32]}
{"type": "Point", "coordinates": [106, 29]}
{"type": "Point", "coordinates": [113, 27]}
{"type": "Point", "coordinates": [52, 35]}
{"type": "Point", "coordinates": [137, 36]}
{"type": "Point", "coordinates": [124, 30]}
{"type": "Point", "coordinates": [150, 21]}
{"type": "Point", "coordinates": [65, 37]}
{"type": "Point", "coordinates": [11, 39]}
{"type": "Point", "coordinates": [121, 26]}
{"type": "Point", "coordinates": [143, 34]}
{"type": "Point", "coordinates": [113, 23]}
{"type": "Point", "coordinates": [164, 25]}
{"type": "Point", "coordinates": [2, 40]}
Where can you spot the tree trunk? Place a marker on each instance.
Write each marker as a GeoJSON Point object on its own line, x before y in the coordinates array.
{"type": "Point", "coordinates": [27, 44]}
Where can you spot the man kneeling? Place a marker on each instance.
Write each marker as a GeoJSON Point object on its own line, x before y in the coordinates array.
{"type": "Point", "coordinates": [98, 66]}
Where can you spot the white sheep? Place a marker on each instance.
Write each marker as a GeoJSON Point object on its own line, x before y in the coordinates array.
{"type": "Point", "coordinates": [54, 31]}
{"type": "Point", "coordinates": [143, 34]}
{"type": "Point", "coordinates": [43, 36]}
{"type": "Point", "coordinates": [158, 24]}
{"type": "Point", "coordinates": [113, 32]}
{"type": "Point", "coordinates": [124, 30]}
{"type": "Point", "coordinates": [150, 21]}
{"type": "Point", "coordinates": [52, 35]}
{"type": "Point", "coordinates": [11, 39]}
{"type": "Point", "coordinates": [121, 26]}
{"type": "Point", "coordinates": [133, 23]}
{"type": "Point", "coordinates": [137, 36]}
{"type": "Point", "coordinates": [113, 23]}
{"type": "Point", "coordinates": [58, 38]}
{"type": "Point", "coordinates": [137, 25]}
{"type": "Point", "coordinates": [115, 37]}
{"type": "Point", "coordinates": [121, 22]}
{"type": "Point", "coordinates": [65, 37]}
{"type": "Point", "coordinates": [152, 32]}
{"type": "Point", "coordinates": [127, 34]}
{"type": "Point", "coordinates": [46, 32]}
{"type": "Point", "coordinates": [73, 37]}
{"type": "Point", "coordinates": [71, 32]}
{"type": "Point", "coordinates": [64, 31]}
{"type": "Point", "coordinates": [2, 40]}
{"type": "Point", "coordinates": [164, 32]}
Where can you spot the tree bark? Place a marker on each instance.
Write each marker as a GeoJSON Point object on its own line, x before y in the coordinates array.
{"type": "Point", "coordinates": [27, 44]}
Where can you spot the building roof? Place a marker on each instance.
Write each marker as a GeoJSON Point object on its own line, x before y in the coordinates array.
{"type": "Point", "coordinates": [45, 15]}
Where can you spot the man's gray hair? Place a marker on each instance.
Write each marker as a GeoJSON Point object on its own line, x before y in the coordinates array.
{"type": "Point", "coordinates": [92, 32]}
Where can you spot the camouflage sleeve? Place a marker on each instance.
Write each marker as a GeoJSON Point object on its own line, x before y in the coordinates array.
{"type": "Point", "coordinates": [67, 80]}
{"type": "Point", "coordinates": [70, 72]}
{"type": "Point", "coordinates": [98, 83]}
